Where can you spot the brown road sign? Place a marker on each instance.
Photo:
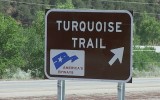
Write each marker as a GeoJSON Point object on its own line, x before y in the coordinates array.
{"type": "Point", "coordinates": [88, 44]}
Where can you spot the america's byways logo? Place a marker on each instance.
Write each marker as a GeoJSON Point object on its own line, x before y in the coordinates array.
{"type": "Point", "coordinates": [67, 62]}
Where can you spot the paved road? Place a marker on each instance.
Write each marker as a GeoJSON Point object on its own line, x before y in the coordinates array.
{"type": "Point", "coordinates": [49, 87]}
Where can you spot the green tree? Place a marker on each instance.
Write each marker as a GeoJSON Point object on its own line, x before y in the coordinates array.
{"type": "Point", "coordinates": [34, 48]}
{"type": "Point", "coordinates": [145, 59]}
{"type": "Point", "coordinates": [148, 30]}
{"type": "Point", "coordinates": [64, 4]}
{"type": "Point", "coordinates": [79, 4]}
{"type": "Point", "coordinates": [88, 4]}
{"type": "Point", "coordinates": [5, 7]}
{"type": "Point", "coordinates": [12, 42]}
{"type": "Point", "coordinates": [24, 11]}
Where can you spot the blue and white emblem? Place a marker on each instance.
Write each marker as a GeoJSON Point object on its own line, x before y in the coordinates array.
{"type": "Point", "coordinates": [67, 62]}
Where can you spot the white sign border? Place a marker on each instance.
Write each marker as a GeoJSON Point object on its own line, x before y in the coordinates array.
{"type": "Point", "coordinates": [96, 11]}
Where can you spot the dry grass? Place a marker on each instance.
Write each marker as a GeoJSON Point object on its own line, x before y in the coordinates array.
{"type": "Point", "coordinates": [153, 72]}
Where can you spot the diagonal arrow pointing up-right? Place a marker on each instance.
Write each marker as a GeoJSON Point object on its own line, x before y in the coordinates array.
{"type": "Point", "coordinates": [118, 54]}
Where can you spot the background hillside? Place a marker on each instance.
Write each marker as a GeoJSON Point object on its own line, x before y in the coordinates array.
{"type": "Point", "coordinates": [22, 33]}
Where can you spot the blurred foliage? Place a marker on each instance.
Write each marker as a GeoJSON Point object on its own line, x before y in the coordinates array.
{"type": "Point", "coordinates": [12, 42]}
{"type": "Point", "coordinates": [145, 58]}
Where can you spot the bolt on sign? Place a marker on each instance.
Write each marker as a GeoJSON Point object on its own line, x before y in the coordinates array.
{"type": "Point", "coordinates": [88, 44]}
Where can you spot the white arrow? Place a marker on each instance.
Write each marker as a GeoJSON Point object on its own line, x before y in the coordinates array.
{"type": "Point", "coordinates": [118, 54]}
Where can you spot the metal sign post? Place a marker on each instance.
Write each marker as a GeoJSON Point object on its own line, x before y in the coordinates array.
{"type": "Point", "coordinates": [121, 91]}
{"type": "Point", "coordinates": [61, 89]}
{"type": "Point", "coordinates": [74, 38]}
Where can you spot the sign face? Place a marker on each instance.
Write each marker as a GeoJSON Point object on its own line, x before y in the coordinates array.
{"type": "Point", "coordinates": [88, 44]}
